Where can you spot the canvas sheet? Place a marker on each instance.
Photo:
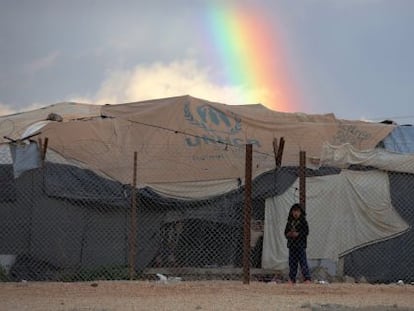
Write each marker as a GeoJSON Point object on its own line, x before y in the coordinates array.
{"type": "Point", "coordinates": [14, 126]}
{"type": "Point", "coordinates": [185, 139]}
{"type": "Point", "coordinates": [342, 213]}
{"type": "Point", "coordinates": [344, 155]}
{"type": "Point", "coordinates": [195, 190]}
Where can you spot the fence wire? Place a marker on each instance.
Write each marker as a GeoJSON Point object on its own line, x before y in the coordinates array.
{"type": "Point", "coordinates": [65, 222]}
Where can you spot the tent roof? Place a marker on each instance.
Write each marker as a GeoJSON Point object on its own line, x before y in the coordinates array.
{"type": "Point", "coordinates": [187, 139]}
{"type": "Point", "coordinates": [14, 125]}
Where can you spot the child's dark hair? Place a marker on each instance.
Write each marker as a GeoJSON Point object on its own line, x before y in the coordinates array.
{"type": "Point", "coordinates": [297, 206]}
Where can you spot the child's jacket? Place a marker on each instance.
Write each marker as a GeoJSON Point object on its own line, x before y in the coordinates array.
{"type": "Point", "coordinates": [301, 226]}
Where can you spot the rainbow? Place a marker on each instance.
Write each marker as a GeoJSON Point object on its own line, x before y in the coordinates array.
{"type": "Point", "coordinates": [252, 57]}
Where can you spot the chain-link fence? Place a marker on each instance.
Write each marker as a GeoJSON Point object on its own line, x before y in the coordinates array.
{"type": "Point", "coordinates": [64, 221]}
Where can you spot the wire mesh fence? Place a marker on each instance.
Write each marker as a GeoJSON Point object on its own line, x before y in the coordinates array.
{"type": "Point", "coordinates": [65, 221]}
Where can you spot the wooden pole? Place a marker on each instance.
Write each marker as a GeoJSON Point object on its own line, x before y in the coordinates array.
{"type": "Point", "coordinates": [275, 148]}
{"type": "Point", "coordinates": [302, 179]}
{"type": "Point", "coordinates": [133, 222]}
{"type": "Point", "coordinates": [40, 144]}
{"type": "Point", "coordinates": [247, 213]}
{"type": "Point", "coordinates": [44, 150]}
{"type": "Point", "coordinates": [280, 153]}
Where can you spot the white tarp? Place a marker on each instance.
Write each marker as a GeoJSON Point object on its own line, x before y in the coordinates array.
{"type": "Point", "coordinates": [25, 157]}
{"type": "Point", "coordinates": [344, 211]}
{"type": "Point", "coordinates": [344, 155]}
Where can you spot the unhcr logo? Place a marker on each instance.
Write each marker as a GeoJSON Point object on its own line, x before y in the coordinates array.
{"type": "Point", "coordinates": [217, 125]}
{"type": "Point", "coordinates": [212, 120]}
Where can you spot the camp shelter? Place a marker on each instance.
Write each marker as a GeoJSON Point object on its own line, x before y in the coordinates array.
{"type": "Point", "coordinates": [190, 164]}
{"type": "Point", "coordinates": [194, 133]}
{"type": "Point", "coordinates": [361, 218]}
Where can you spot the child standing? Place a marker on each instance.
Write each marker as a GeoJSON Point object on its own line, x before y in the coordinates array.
{"type": "Point", "coordinates": [296, 233]}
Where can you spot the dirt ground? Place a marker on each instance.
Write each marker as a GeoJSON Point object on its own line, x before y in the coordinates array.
{"type": "Point", "coordinates": [203, 295]}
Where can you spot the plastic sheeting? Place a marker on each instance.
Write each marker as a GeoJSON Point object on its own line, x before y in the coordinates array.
{"type": "Point", "coordinates": [343, 215]}
{"type": "Point", "coordinates": [25, 157]}
{"type": "Point", "coordinates": [345, 155]}
{"type": "Point", "coordinates": [401, 139]}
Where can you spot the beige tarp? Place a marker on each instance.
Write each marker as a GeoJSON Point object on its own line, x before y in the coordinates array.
{"type": "Point", "coordinates": [185, 139]}
{"type": "Point", "coordinates": [14, 126]}
{"type": "Point", "coordinates": [342, 212]}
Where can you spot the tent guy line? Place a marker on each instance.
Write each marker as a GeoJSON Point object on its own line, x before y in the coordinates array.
{"type": "Point", "coordinates": [197, 136]}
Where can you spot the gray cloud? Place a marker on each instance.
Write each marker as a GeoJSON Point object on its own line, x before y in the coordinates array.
{"type": "Point", "coordinates": [42, 63]}
{"type": "Point", "coordinates": [353, 58]}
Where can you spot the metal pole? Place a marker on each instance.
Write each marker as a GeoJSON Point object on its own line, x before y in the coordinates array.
{"type": "Point", "coordinates": [302, 178]}
{"type": "Point", "coordinates": [133, 222]}
{"type": "Point", "coordinates": [247, 213]}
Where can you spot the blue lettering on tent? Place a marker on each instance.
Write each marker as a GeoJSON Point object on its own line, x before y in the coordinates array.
{"type": "Point", "coordinates": [215, 122]}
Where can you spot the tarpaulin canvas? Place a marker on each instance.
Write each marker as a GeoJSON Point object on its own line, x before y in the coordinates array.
{"type": "Point", "coordinates": [186, 139]}
{"type": "Point", "coordinates": [360, 214]}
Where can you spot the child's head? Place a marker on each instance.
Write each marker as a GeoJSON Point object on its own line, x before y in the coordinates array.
{"type": "Point", "coordinates": [296, 211]}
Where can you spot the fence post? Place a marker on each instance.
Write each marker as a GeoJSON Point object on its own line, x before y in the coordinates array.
{"type": "Point", "coordinates": [133, 222]}
{"type": "Point", "coordinates": [302, 179]}
{"type": "Point", "coordinates": [278, 151]}
{"type": "Point", "coordinates": [247, 213]}
{"type": "Point", "coordinates": [44, 149]}
{"type": "Point", "coordinates": [275, 151]}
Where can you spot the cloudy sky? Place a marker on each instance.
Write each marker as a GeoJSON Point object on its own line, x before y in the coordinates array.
{"type": "Point", "coordinates": [354, 58]}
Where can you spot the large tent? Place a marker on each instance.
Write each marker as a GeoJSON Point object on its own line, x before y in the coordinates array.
{"type": "Point", "coordinates": [191, 133]}
{"type": "Point", "coordinates": [192, 150]}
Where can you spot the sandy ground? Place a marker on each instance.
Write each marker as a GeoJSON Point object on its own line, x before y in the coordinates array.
{"type": "Point", "coordinates": [203, 295]}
